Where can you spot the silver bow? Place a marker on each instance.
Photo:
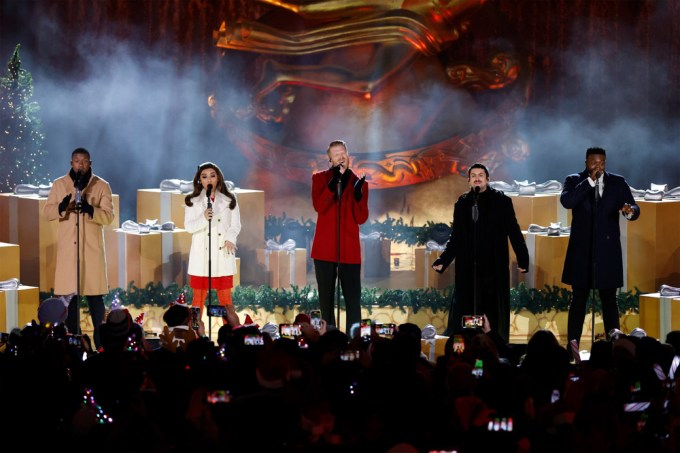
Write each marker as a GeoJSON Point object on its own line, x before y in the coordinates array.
{"type": "Point", "coordinates": [42, 190]}
{"type": "Point", "coordinates": [373, 235]}
{"type": "Point", "coordinates": [435, 246]}
{"type": "Point", "coordinates": [555, 229]}
{"type": "Point", "coordinates": [273, 245]}
{"type": "Point", "coordinates": [656, 192]}
{"type": "Point", "coordinates": [177, 184]}
{"type": "Point", "coordinates": [428, 332]}
{"type": "Point", "coordinates": [12, 283]}
{"type": "Point", "coordinates": [270, 328]}
{"type": "Point", "coordinates": [527, 188]}
{"type": "Point", "coordinates": [150, 225]}
{"type": "Point", "coordinates": [669, 291]}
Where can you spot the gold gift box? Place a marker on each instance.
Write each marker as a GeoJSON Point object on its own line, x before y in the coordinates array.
{"type": "Point", "coordinates": [659, 315]}
{"type": "Point", "coordinates": [546, 261]}
{"type": "Point", "coordinates": [540, 209]}
{"type": "Point", "coordinates": [652, 242]}
{"type": "Point", "coordinates": [279, 271]}
{"type": "Point", "coordinates": [25, 301]}
{"type": "Point", "coordinates": [169, 206]}
{"type": "Point", "coordinates": [23, 224]}
{"type": "Point", "coordinates": [10, 259]}
{"type": "Point", "coordinates": [147, 257]}
{"type": "Point", "coordinates": [426, 277]}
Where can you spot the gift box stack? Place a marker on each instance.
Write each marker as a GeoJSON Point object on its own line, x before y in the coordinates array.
{"type": "Point", "coordinates": [22, 223]}
{"type": "Point", "coordinates": [659, 314]}
{"type": "Point", "coordinates": [168, 206]}
{"type": "Point", "coordinates": [546, 260]}
{"type": "Point", "coordinates": [651, 245]}
{"type": "Point", "coordinates": [143, 256]}
{"type": "Point", "coordinates": [283, 265]}
{"type": "Point", "coordinates": [18, 303]}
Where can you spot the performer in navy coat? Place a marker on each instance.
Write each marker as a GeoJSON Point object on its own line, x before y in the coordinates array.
{"type": "Point", "coordinates": [595, 263]}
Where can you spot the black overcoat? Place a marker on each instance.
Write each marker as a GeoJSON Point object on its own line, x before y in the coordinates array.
{"type": "Point", "coordinates": [579, 196]}
{"type": "Point", "coordinates": [496, 223]}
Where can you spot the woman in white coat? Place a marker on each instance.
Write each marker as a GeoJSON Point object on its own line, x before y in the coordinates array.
{"type": "Point", "coordinates": [212, 217]}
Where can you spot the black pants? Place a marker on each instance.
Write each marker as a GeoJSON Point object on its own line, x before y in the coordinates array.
{"type": "Point", "coordinates": [96, 305]}
{"type": "Point", "coordinates": [350, 282]}
{"type": "Point", "coordinates": [577, 311]}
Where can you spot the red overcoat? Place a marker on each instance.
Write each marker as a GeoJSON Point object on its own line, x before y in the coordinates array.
{"type": "Point", "coordinates": [352, 214]}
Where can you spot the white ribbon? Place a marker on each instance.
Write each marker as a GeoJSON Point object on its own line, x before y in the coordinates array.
{"type": "Point", "coordinates": [12, 283]}
{"type": "Point", "coordinates": [527, 188]}
{"type": "Point", "coordinates": [669, 291]}
{"type": "Point", "coordinates": [11, 308]}
{"type": "Point", "coordinates": [555, 229]}
{"type": "Point", "coordinates": [122, 259]}
{"type": "Point", "coordinates": [177, 184]}
{"type": "Point", "coordinates": [187, 186]}
{"type": "Point", "coordinates": [273, 245]}
{"type": "Point", "coordinates": [428, 332]}
{"type": "Point", "coordinates": [656, 192]}
{"type": "Point", "coordinates": [373, 235]}
{"type": "Point", "coordinates": [43, 190]}
{"type": "Point", "coordinates": [433, 246]}
{"type": "Point", "coordinates": [150, 225]}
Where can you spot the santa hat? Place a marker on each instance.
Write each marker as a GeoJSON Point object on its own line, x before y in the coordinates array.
{"type": "Point", "coordinates": [181, 299]}
{"type": "Point", "coordinates": [248, 323]}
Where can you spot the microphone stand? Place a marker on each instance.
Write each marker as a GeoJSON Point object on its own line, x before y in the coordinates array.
{"type": "Point", "coordinates": [593, 261]}
{"type": "Point", "coordinates": [209, 266]}
{"type": "Point", "coordinates": [475, 217]}
{"type": "Point", "coordinates": [338, 191]}
{"type": "Point", "coordinates": [78, 205]}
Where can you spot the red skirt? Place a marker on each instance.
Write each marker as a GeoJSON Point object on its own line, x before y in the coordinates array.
{"type": "Point", "coordinates": [217, 283]}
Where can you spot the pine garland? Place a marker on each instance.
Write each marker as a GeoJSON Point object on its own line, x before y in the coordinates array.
{"type": "Point", "coordinates": [306, 298]}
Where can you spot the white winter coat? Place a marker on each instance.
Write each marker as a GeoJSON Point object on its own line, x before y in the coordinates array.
{"type": "Point", "coordinates": [225, 226]}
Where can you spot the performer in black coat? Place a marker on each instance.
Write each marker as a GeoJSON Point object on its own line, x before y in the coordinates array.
{"type": "Point", "coordinates": [487, 240]}
{"type": "Point", "coordinates": [604, 252]}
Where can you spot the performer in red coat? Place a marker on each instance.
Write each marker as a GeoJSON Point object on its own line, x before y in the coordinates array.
{"type": "Point", "coordinates": [327, 252]}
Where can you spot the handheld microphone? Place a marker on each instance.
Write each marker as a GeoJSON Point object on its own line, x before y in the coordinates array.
{"type": "Point", "coordinates": [208, 192]}
{"type": "Point", "coordinates": [476, 190]}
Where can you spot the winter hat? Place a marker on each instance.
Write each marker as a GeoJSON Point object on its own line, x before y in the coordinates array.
{"type": "Point", "coordinates": [118, 323]}
{"type": "Point", "coordinates": [53, 311]}
{"type": "Point", "coordinates": [303, 317]}
{"type": "Point", "coordinates": [176, 315]}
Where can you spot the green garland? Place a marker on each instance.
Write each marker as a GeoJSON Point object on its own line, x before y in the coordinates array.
{"type": "Point", "coordinates": [396, 230]}
{"type": "Point", "coordinates": [307, 298]}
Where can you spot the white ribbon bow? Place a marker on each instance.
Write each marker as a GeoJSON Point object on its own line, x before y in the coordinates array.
{"type": "Point", "coordinates": [527, 188]}
{"type": "Point", "coordinates": [42, 190]}
{"type": "Point", "coordinates": [150, 225]}
{"type": "Point", "coordinates": [273, 245]}
{"type": "Point", "coordinates": [555, 229]}
{"type": "Point", "coordinates": [12, 283]}
{"type": "Point", "coordinates": [669, 291]}
{"type": "Point", "coordinates": [656, 192]}
{"type": "Point", "coordinates": [433, 246]}
{"type": "Point", "coordinates": [428, 332]}
{"type": "Point", "coordinates": [373, 235]}
{"type": "Point", "coordinates": [177, 184]}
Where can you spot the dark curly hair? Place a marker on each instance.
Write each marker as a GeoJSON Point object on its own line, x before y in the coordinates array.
{"type": "Point", "coordinates": [221, 186]}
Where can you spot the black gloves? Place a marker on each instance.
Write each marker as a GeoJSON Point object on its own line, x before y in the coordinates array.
{"type": "Point", "coordinates": [64, 203]}
{"type": "Point", "coordinates": [87, 208]}
{"type": "Point", "coordinates": [333, 183]}
{"type": "Point", "coordinates": [357, 188]}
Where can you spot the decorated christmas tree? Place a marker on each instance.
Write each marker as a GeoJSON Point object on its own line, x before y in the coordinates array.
{"type": "Point", "coordinates": [21, 141]}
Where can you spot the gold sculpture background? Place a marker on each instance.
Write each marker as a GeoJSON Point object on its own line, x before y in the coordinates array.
{"type": "Point", "coordinates": [387, 79]}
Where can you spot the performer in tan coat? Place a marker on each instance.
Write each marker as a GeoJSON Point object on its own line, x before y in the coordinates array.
{"type": "Point", "coordinates": [81, 194]}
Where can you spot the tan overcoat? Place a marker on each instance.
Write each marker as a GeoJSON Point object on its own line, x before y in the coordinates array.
{"type": "Point", "coordinates": [93, 278]}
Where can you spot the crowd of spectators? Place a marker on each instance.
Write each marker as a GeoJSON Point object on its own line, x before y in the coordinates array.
{"type": "Point", "coordinates": [330, 391]}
